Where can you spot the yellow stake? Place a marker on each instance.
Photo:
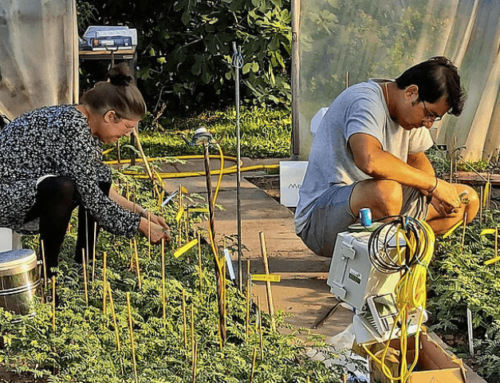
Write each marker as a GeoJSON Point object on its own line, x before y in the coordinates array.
{"type": "Point", "coordinates": [138, 270]}
{"type": "Point", "coordinates": [149, 235]}
{"type": "Point", "coordinates": [463, 231]}
{"type": "Point", "coordinates": [194, 358]}
{"type": "Point", "coordinates": [192, 325]}
{"type": "Point", "coordinates": [200, 266]}
{"type": "Point", "coordinates": [163, 303]}
{"type": "Point", "coordinates": [131, 329]}
{"type": "Point", "coordinates": [254, 357]}
{"type": "Point", "coordinates": [247, 321]}
{"type": "Point", "coordinates": [184, 319]}
{"type": "Point", "coordinates": [269, 291]}
{"type": "Point", "coordinates": [54, 303]}
{"type": "Point", "coordinates": [93, 255]}
{"type": "Point", "coordinates": [260, 330]}
{"type": "Point", "coordinates": [113, 313]}
{"type": "Point", "coordinates": [104, 282]}
{"type": "Point", "coordinates": [44, 264]}
{"type": "Point", "coordinates": [85, 278]}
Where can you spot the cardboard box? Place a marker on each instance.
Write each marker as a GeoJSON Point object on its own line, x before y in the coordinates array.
{"type": "Point", "coordinates": [435, 365]}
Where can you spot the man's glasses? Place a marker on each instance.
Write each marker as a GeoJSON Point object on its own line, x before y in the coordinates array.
{"type": "Point", "coordinates": [429, 115]}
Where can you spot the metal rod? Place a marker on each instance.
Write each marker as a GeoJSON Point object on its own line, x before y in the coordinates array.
{"type": "Point", "coordinates": [237, 62]}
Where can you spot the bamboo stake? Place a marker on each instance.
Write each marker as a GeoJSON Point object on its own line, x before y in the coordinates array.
{"type": "Point", "coordinates": [85, 278]}
{"type": "Point", "coordinates": [496, 242]}
{"type": "Point", "coordinates": [344, 378]}
{"type": "Point", "coordinates": [86, 234]}
{"type": "Point", "coordinates": [192, 325]}
{"type": "Point", "coordinates": [186, 223]}
{"type": "Point", "coordinates": [149, 235]}
{"type": "Point", "coordinates": [45, 281]}
{"type": "Point", "coordinates": [247, 320]}
{"type": "Point", "coordinates": [260, 330]}
{"type": "Point", "coordinates": [481, 206]}
{"type": "Point", "coordinates": [184, 319]}
{"type": "Point", "coordinates": [144, 158]}
{"type": "Point", "coordinates": [93, 255]}
{"type": "Point", "coordinates": [138, 270]}
{"type": "Point", "coordinates": [200, 266]}
{"type": "Point", "coordinates": [254, 357]}
{"type": "Point", "coordinates": [194, 358]}
{"type": "Point", "coordinates": [131, 329]}
{"type": "Point", "coordinates": [463, 231]}
{"type": "Point", "coordinates": [113, 313]}
{"type": "Point", "coordinates": [134, 196]}
{"type": "Point", "coordinates": [104, 282]}
{"type": "Point", "coordinates": [269, 292]}
{"type": "Point", "coordinates": [54, 303]}
{"type": "Point", "coordinates": [163, 303]}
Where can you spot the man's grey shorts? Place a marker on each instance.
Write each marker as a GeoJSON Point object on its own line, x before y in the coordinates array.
{"type": "Point", "coordinates": [332, 214]}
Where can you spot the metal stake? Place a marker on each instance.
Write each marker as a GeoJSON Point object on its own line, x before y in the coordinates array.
{"type": "Point", "coordinates": [237, 64]}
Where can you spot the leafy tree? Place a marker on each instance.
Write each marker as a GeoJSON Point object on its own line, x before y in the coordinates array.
{"type": "Point", "coordinates": [185, 49]}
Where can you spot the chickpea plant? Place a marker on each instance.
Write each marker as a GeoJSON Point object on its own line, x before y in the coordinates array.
{"type": "Point", "coordinates": [136, 342]}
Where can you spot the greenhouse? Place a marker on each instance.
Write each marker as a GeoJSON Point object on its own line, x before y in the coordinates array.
{"type": "Point", "coordinates": [249, 191]}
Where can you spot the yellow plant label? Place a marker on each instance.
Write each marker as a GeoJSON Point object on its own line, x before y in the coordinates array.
{"type": "Point", "coordinates": [449, 232]}
{"type": "Point", "coordinates": [488, 231]}
{"type": "Point", "coordinates": [107, 151]}
{"type": "Point", "coordinates": [160, 199]}
{"type": "Point", "coordinates": [266, 277]}
{"type": "Point", "coordinates": [184, 190]}
{"type": "Point", "coordinates": [181, 250]}
{"type": "Point", "coordinates": [180, 213]}
{"type": "Point", "coordinates": [199, 210]}
{"type": "Point", "coordinates": [486, 193]}
{"type": "Point", "coordinates": [491, 261]}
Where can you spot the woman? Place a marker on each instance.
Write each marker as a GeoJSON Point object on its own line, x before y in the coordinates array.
{"type": "Point", "coordinates": [51, 162]}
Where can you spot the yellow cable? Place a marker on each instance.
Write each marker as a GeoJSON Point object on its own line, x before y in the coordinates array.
{"type": "Point", "coordinates": [229, 170]}
{"type": "Point", "coordinates": [411, 293]}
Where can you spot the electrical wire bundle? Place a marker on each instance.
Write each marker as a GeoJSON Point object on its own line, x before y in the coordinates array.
{"type": "Point", "coordinates": [411, 261]}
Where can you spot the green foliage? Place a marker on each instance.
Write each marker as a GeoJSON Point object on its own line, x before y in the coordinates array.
{"type": "Point", "coordinates": [185, 50]}
{"type": "Point", "coordinates": [264, 133]}
{"type": "Point", "coordinates": [83, 346]}
{"type": "Point", "coordinates": [460, 280]}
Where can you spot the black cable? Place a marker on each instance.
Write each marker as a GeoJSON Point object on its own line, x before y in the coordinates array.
{"type": "Point", "coordinates": [379, 250]}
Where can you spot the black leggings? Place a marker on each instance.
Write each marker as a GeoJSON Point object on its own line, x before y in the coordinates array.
{"type": "Point", "coordinates": [56, 199]}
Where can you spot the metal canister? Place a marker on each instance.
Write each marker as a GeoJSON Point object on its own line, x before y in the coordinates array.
{"type": "Point", "coordinates": [365, 216]}
{"type": "Point", "coordinates": [19, 280]}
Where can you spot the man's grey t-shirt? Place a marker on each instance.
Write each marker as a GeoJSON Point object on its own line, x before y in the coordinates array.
{"type": "Point", "coordinates": [359, 109]}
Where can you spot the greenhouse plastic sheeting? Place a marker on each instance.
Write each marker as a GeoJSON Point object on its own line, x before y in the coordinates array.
{"type": "Point", "coordinates": [38, 54]}
{"type": "Point", "coordinates": [349, 41]}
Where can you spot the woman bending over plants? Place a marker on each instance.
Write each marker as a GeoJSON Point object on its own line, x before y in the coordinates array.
{"type": "Point", "coordinates": [51, 162]}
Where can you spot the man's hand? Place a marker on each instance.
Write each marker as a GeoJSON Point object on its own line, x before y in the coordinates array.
{"type": "Point", "coordinates": [447, 196]}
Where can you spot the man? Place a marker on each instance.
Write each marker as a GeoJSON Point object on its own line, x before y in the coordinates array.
{"type": "Point", "coordinates": [369, 153]}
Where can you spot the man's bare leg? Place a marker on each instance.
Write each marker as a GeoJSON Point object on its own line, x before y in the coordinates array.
{"type": "Point", "coordinates": [385, 198]}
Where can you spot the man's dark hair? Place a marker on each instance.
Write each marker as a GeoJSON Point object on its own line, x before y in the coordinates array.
{"type": "Point", "coordinates": [435, 78]}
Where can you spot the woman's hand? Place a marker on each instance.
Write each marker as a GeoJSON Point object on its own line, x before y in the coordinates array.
{"type": "Point", "coordinates": [157, 233]}
{"type": "Point", "coordinates": [155, 219]}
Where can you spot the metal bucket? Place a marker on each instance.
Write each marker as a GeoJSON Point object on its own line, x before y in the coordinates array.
{"type": "Point", "coordinates": [19, 280]}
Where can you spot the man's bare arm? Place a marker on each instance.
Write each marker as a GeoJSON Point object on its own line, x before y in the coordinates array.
{"type": "Point", "coordinates": [370, 158]}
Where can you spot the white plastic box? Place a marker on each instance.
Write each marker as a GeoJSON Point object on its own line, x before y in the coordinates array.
{"type": "Point", "coordinates": [291, 177]}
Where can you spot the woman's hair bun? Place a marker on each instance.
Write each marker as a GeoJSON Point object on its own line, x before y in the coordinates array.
{"type": "Point", "coordinates": [120, 75]}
